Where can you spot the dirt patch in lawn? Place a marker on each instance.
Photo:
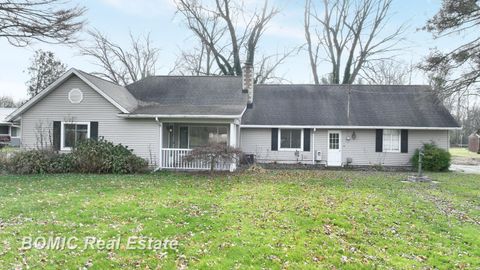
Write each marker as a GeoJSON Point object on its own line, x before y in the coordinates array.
{"type": "Point", "coordinates": [466, 160]}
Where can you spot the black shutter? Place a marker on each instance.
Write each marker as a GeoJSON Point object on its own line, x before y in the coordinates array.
{"type": "Point", "coordinates": [404, 138]}
{"type": "Point", "coordinates": [274, 139]}
{"type": "Point", "coordinates": [306, 139]}
{"type": "Point", "coordinates": [94, 131]}
{"type": "Point", "coordinates": [379, 141]}
{"type": "Point", "coordinates": [56, 135]}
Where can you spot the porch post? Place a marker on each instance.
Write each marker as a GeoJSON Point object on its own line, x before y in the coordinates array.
{"type": "Point", "coordinates": [160, 148]}
{"type": "Point", "coordinates": [233, 143]}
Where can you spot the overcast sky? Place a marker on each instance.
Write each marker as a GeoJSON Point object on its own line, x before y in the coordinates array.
{"type": "Point", "coordinates": [119, 17]}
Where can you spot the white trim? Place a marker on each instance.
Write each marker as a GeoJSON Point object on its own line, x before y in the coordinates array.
{"type": "Point", "coordinates": [289, 149]}
{"type": "Point", "coordinates": [351, 127]}
{"type": "Point", "coordinates": [16, 137]}
{"type": "Point", "coordinates": [339, 146]}
{"type": "Point", "coordinates": [54, 85]}
{"type": "Point", "coordinates": [178, 116]}
{"type": "Point", "coordinates": [70, 95]}
{"type": "Point", "coordinates": [62, 133]}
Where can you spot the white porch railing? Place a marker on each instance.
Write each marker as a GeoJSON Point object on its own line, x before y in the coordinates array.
{"type": "Point", "coordinates": [175, 158]}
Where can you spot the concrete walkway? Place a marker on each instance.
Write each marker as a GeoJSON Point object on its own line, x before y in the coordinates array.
{"type": "Point", "coordinates": [472, 169]}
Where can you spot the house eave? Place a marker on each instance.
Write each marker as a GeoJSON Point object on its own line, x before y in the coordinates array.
{"type": "Point", "coordinates": [350, 127]}
{"type": "Point", "coordinates": [14, 115]}
{"type": "Point", "coordinates": [181, 116]}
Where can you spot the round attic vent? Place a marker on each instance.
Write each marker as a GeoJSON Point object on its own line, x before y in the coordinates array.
{"type": "Point", "coordinates": [75, 95]}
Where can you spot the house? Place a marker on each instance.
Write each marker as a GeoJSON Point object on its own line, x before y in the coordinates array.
{"type": "Point", "coordinates": [163, 117]}
{"type": "Point", "coordinates": [474, 142]}
{"type": "Point", "coordinates": [9, 132]}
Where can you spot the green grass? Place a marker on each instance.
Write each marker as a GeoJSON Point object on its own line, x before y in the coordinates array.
{"type": "Point", "coordinates": [8, 149]}
{"type": "Point", "coordinates": [463, 152]}
{"type": "Point", "coordinates": [255, 220]}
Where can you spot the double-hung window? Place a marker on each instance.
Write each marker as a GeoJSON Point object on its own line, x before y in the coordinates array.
{"type": "Point", "coordinates": [291, 139]}
{"type": "Point", "coordinates": [73, 133]}
{"type": "Point", "coordinates": [391, 140]}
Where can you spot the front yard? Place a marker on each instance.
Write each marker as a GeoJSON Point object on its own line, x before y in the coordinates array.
{"type": "Point", "coordinates": [253, 220]}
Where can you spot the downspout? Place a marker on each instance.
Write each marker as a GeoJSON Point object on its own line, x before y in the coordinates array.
{"type": "Point", "coordinates": [313, 146]}
{"type": "Point", "coordinates": [159, 167]}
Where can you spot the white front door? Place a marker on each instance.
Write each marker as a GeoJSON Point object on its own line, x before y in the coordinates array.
{"type": "Point", "coordinates": [334, 148]}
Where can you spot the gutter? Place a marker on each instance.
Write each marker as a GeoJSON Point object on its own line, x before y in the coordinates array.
{"type": "Point", "coordinates": [156, 116]}
{"type": "Point", "coordinates": [350, 127]}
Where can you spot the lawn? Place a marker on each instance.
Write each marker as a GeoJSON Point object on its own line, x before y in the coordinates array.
{"type": "Point", "coordinates": [463, 152]}
{"type": "Point", "coordinates": [251, 220]}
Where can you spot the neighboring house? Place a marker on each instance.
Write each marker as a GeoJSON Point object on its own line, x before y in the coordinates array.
{"type": "Point", "coordinates": [474, 142]}
{"type": "Point", "coordinates": [163, 117]}
{"type": "Point", "coordinates": [9, 132]}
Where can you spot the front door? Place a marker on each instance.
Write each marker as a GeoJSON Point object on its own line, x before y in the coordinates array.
{"type": "Point", "coordinates": [334, 148]}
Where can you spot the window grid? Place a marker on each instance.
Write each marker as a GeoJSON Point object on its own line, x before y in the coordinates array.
{"type": "Point", "coordinates": [334, 141]}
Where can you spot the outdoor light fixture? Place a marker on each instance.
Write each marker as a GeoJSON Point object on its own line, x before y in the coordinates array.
{"type": "Point", "coordinates": [354, 135]}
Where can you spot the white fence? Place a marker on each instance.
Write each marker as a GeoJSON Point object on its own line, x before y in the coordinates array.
{"type": "Point", "coordinates": [175, 158]}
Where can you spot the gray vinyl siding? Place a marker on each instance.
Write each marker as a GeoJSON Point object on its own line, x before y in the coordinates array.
{"type": "Point", "coordinates": [140, 135]}
{"type": "Point", "coordinates": [362, 150]}
{"type": "Point", "coordinates": [258, 141]}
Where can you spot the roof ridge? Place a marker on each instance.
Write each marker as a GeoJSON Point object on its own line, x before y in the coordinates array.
{"type": "Point", "coordinates": [344, 85]}
{"type": "Point", "coordinates": [100, 78]}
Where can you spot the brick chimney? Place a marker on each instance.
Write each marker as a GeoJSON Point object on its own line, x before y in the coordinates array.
{"type": "Point", "coordinates": [247, 86]}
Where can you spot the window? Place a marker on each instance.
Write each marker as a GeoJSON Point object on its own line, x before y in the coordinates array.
{"type": "Point", "coordinates": [4, 130]}
{"type": "Point", "coordinates": [391, 140]}
{"type": "Point", "coordinates": [200, 136]}
{"type": "Point", "coordinates": [291, 139]}
{"type": "Point", "coordinates": [75, 95]}
{"type": "Point", "coordinates": [15, 132]}
{"type": "Point", "coordinates": [334, 141]}
{"type": "Point", "coordinates": [72, 133]}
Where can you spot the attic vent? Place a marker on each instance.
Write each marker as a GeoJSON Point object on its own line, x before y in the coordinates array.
{"type": "Point", "coordinates": [75, 95]}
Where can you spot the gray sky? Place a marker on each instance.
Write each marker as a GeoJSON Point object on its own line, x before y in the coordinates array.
{"type": "Point", "coordinates": [119, 17]}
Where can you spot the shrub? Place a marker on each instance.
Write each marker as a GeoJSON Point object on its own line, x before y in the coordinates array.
{"type": "Point", "coordinates": [214, 154]}
{"type": "Point", "coordinates": [62, 163]}
{"type": "Point", "coordinates": [31, 161]}
{"type": "Point", "coordinates": [102, 156]}
{"type": "Point", "coordinates": [435, 159]}
{"type": "Point", "coordinates": [88, 157]}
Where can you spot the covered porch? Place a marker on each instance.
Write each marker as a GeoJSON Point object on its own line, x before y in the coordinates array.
{"type": "Point", "coordinates": [179, 138]}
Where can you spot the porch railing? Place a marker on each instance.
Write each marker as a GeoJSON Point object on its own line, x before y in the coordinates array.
{"type": "Point", "coordinates": [175, 158]}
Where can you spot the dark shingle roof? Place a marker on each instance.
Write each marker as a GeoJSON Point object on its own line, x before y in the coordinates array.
{"type": "Point", "coordinates": [189, 95]}
{"type": "Point", "coordinates": [118, 93]}
{"type": "Point", "coordinates": [326, 105]}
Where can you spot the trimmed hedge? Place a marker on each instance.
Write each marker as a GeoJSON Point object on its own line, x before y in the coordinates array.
{"type": "Point", "coordinates": [435, 159]}
{"type": "Point", "coordinates": [88, 157]}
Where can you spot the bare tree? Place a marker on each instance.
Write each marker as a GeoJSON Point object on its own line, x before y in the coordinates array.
{"type": "Point", "coordinates": [268, 64]}
{"type": "Point", "coordinates": [218, 27]}
{"type": "Point", "coordinates": [7, 102]}
{"type": "Point", "coordinates": [198, 61]}
{"type": "Point", "coordinates": [350, 33]}
{"type": "Point", "coordinates": [43, 20]}
{"type": "Point", "coordinates": [388, 72]}
{"type": "Point", "coordinates": [122, 65]}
